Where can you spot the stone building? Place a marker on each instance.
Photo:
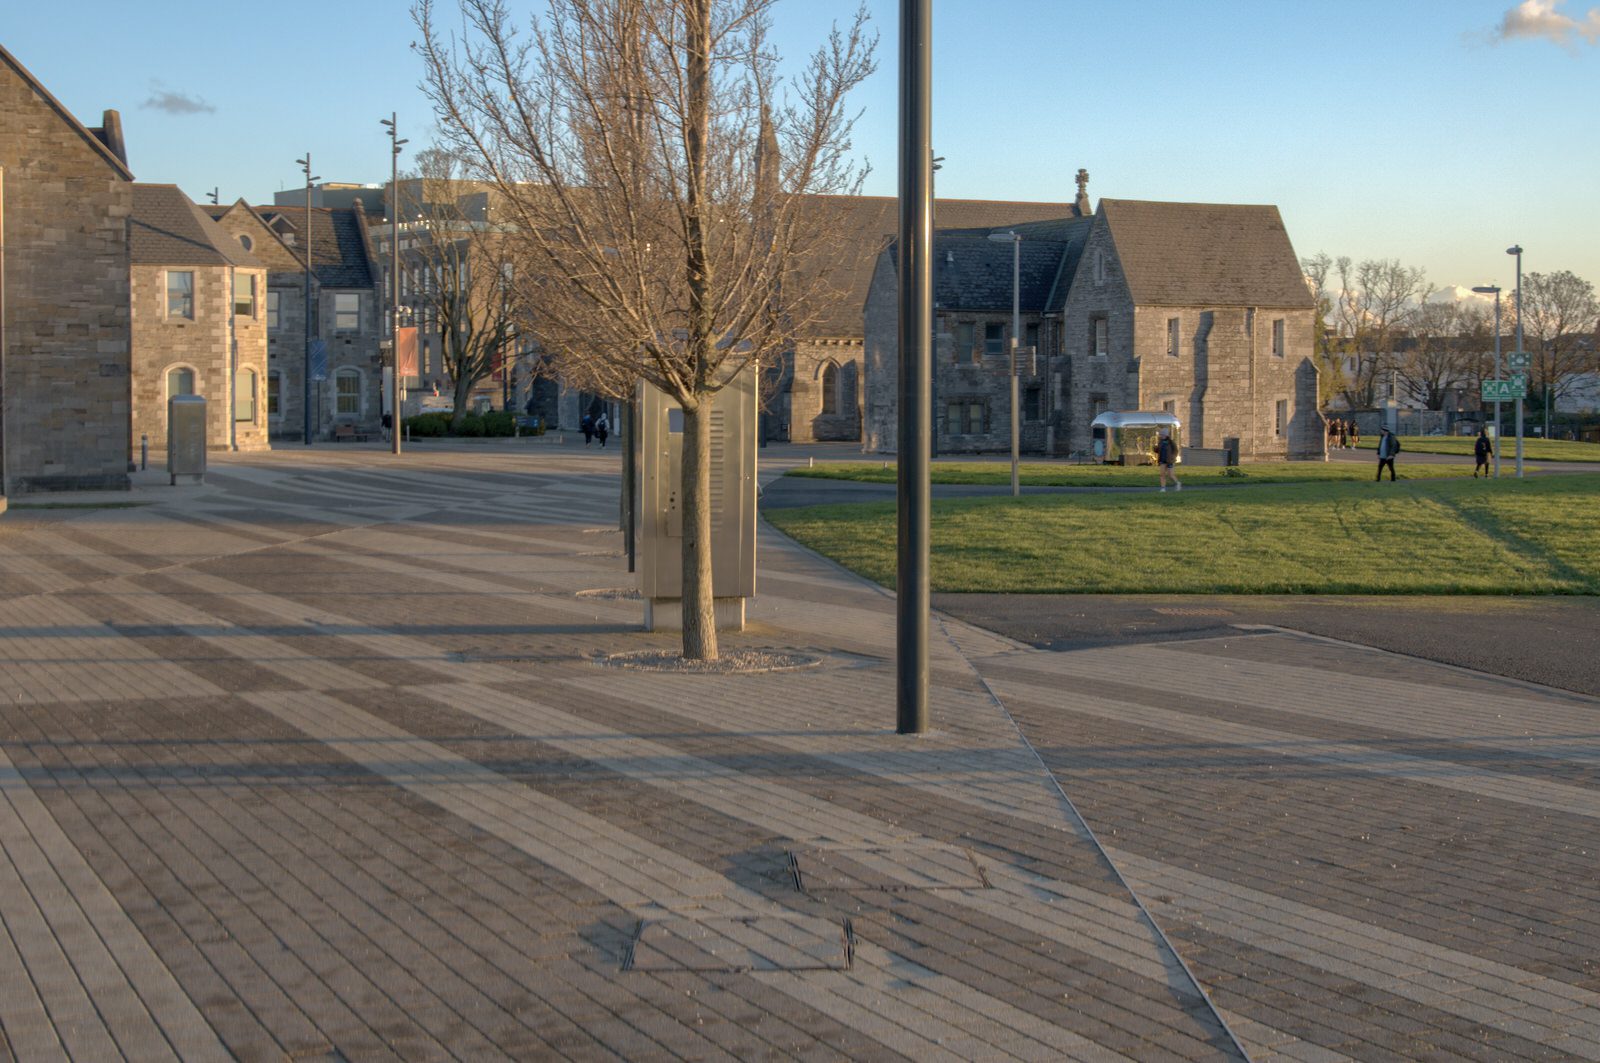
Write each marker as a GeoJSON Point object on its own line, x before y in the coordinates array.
{"type": "Point", "coordinates": [347, 307]}
{"type": "Point", "coordinates": [65, 195]}
{"type": "Point", "coordinates": [1197, 309]}
{"type": "Point", "coordinates": [817, 393]}
{"type": "Point", "coordinates": [198, 320]}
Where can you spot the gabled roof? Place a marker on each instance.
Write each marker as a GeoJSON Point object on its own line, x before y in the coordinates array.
{"type": "Point", "coordinates": [864, 225]}
{"type": "Point", "coordinates": [973, 272]}
{"type": "Point", "coordinates": [167, 229]}
{"type": "Point", "coordinates": [100, 147]}
{"type": "Point", "coordinates": [1205, 254]}
{"type": "Point", "coordinates": [266, 244]}
{"type": "Point", "coordinates": [338, 242]}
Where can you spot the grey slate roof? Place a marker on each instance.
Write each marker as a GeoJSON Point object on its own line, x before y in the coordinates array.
{"type": "Point", "coordinates": [338, 246]}
{"type": "Point", "coordinates": [867, 224]}
{"type": "Point", "coordinates": [167, 229]}
{"type": "Point", "coordinates": [972, 272]}
{"type": "Point", "coordinates": [1205, 254]}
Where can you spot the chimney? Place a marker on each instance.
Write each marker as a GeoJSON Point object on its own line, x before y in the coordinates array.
{"type": "Point", "coordinates": [110, 134]}
{"type": "Point", "coordinates": [1081, 206]}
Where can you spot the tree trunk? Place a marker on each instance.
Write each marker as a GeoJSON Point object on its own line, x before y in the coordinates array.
{"type": "Point", "coordinates": [699, 618]}
{"type": "Point", "coordinates": [461, 386]}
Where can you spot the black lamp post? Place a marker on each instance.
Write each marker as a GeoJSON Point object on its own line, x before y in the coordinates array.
{"type": "Point", "coordinates": [305, 164]}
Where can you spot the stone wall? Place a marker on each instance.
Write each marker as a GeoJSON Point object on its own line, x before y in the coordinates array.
{"type": "Point", "coordinates": [66, 404]}
{"type": "Point", "coordinates": [1110, 381]}
{"type": "Point", "coordinates": [880, 359]}
{"type": "Point", "coordinates": [204, 344]}
{"type": "Point", "coordinates": [359, 351]}
{"type": "Point", "coordinates": [807, 423]}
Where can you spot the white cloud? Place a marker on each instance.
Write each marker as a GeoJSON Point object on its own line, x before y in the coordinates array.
{"type": "Point", "coordinates": [1544, 19]}
{"type": "Point", "coordinates": [163, 99]}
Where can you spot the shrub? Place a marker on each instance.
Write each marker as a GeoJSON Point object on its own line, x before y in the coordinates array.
{"type": "Point", "coordinates": [427, 425]}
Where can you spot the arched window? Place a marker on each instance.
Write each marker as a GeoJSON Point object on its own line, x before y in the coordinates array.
{"type": "Point", "coordinates": [830, 389]}
{"type": "Point", "coordinates": [244, 395]}
{"type": "Point", "coordinates": [347, 393]}
{"type": "Point", "coordinates": [180, 381]}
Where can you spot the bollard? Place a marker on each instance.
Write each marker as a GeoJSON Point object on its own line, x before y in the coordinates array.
{"type": "Point", "coordinates": [516, 429]}
{"type": "Point", "coordinates": [811, 463]}
{"type": "Point", "coordinates": [408, 433]}
{"type": "Point", "coordinates": [144, 452]}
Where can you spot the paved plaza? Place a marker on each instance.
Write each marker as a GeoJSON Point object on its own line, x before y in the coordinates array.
{"type": "Point", "coordinates": [334, 758]}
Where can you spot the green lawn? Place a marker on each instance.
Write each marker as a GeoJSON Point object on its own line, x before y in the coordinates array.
{"type": "Point", "coordinates": [1532, 449]}
{"type": "Point", "coordinates": [1051, 474]}
{"type": "Point", "coordinates": [1423, 537]}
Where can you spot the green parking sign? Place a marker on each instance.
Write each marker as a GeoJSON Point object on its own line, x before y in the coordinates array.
{"type": "Point", "coordinates": [1505, 390]}
{"type": "Point", "coordinates": [1519, 360]}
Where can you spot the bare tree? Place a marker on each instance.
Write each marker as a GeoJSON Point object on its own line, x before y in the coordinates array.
{"type": "Point", "coordinates": [1559, 310]}
{"type": "Point", "coordinates": [1332, 357]}
{"type": "Point", "coordinates": [654, 169]}
{"type": "Point", "coordinates": [458, 273]}
{"type": "Point", "coordinates": [1374, 302]}
{"type": "Point", "coordinates": [1435, 359]}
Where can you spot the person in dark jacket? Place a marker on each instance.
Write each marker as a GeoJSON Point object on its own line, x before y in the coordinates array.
{"type": "Point", "coordinates": [587, 424]}
{"type": "Point", "coordinates": [1166, 457]}
{"type": "Point", "coordinates": [1481, 450]}
{"type": "Point", "coordinates": [1388, 447]}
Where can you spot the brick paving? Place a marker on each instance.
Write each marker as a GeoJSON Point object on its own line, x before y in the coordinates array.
{"type": "Point", "coordinates": [322, 760]}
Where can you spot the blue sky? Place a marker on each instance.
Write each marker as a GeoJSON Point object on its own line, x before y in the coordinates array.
{"type": "Point", "coordinates": [1403, 128]}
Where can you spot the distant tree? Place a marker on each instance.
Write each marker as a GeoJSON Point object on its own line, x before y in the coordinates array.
{"type": "Point", "coordinates": [460, 273]}
{"type": "Point", "coordinates": [1375, 301]}
{"type": "Point", "coordinates": [1559, 312]}
{"type": "Point", "coordinates": [1331, 356]}
{"type": "Point", "coordinates": [654, 171]}
{"type": "Point", "coordinates": [1436, 359]}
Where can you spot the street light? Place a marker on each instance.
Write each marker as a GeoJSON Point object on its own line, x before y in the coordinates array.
{"type": "Point", "coordinates": [1015, 241]}
{"type": "Point", "coordinates": [1516, 250]}
{"type": "Point", "coordinates": [1493, 289]}
{"type": "Point", "coordinates": [305, 399]}
{"type": "Point", "coordinates": [394, 275]}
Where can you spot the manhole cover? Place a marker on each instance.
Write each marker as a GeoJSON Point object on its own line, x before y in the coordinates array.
{"type": "Point", "coordinates": [886, 867]}
{"type": "Point", "coordinates": [753, 943]}
{"type": "Point", "coordinates": [1186, 610]}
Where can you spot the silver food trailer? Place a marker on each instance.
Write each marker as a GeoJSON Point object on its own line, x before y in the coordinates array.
{"type": "Point", "coordinates": [1130, 438]}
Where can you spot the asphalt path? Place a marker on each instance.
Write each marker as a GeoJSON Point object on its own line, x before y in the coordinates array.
{"type": "Point", "coordinates": [1551, 640]}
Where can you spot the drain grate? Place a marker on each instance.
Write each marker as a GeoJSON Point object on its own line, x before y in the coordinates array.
{"type": "Point", "coordinates": [741, 943]}
{"type": "Point", "coordinates": [886, 867]}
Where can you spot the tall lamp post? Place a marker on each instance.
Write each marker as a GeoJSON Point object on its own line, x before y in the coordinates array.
{"type": "Point", "coordinates": [1015, 241]}
{"type": "Point", "coordinates": [1494, 290]}
{"type": "Point", "coordinates": [1516, 250]}
{"type": "Point", "coordinates": [305, 400]}
{"type": "Point", "coordinates": [392, 122]}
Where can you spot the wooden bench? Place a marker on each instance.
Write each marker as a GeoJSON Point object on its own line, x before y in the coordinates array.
{"type": "Point", "coordinates": [346, 433]}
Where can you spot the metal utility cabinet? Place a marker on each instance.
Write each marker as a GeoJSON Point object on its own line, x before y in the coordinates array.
{"type": "Point", "coordinates": [186, 439]}
{"type": "Point", "coordinates": [733, 504]}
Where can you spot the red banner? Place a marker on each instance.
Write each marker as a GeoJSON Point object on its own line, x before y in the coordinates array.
{"type": "Point", "coordinates": [406, 351]}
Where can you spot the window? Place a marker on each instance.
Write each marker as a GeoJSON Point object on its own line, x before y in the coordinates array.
{"type": "Point", "coordinates": [272, 311]}
{"type": "Point", "coordinates": [244, 295]}
{"type": "Point", "coordinates": [244, 395]}
{"type": "Point", "coordinates": [965, 337]}
{"type": "Point", "coordinates": [274, 395]}
{"type": "Point", "coordinates": [994, 340]}
{"type": "Point", "coordinates": [180, 293]}
{"type": "Point", "coordinates": [180, 381]}
{"type": "Point", "coordinates": [1033, 404]}
{"type": "Point", "coordinates": [245, 242]}
{"type": "Point", "coordinates": [1099, 266]}
{"type": "Point", "coordinates": [347, 311]}
{"type": "Point", "coordinates": [1032, 334]}
{"type": "Point", "coordinates": [1282, 419]}
{"type": "Point", "coordinates": [347, 393]}
{"type": "Point", "coordinates": [1170, 406]}
{"type": "Point", "coordinates": [830, 389]}
{"type": "Point", "coordinates": [1173, 337]}
{"type": "Point", "coordinates": [1100, 342]}
{"type": "Point", "coordinates": [1098, 404]}
{"type": "Point", "coordinates": [1277, 337]}
{"type": "Point", "coordinates": [966, 417]}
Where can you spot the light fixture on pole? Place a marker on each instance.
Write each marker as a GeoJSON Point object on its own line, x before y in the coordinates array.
{"type": "Point", "coordinates": [1014, 368]}
{"type": "Point", "coordinates": [305, 401]}
{"type": "Point", "coordinates": [395, 393]}
{"type": "Point", "coordinates": [1516, 250]}
{"type": "Point", "coordinates": [1494, 290]}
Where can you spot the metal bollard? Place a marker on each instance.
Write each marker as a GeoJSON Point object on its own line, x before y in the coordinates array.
{"type": "Point", "coordinates": [408, 433]}
{"type": "Point", "coordinates": [144, 452]}
{"type": "Point", "coordinates": [811, 462]}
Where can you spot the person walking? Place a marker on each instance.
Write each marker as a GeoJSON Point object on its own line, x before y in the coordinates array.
{"type": "Point", "coordinates": [1355, 435]}
{"type": "Point", "coordinates": [1482, 450]}
{"type": "Point", "coordinates": [602, 427]}
{"type": "Point", "coordinates": [1344, 435]}
{"type": "Point", "coordinates": [1166, 457]}
{"type": "Point", "coordinates": [1333, 432]}
{"type": "Point", "coordinates": [587, 424]}
{"type": "Point", "coordinates": [1388, 447]}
